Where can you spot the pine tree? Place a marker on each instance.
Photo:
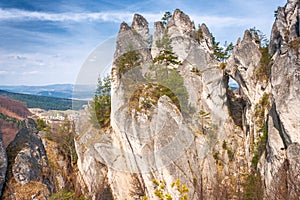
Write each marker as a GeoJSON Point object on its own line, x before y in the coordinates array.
{"type": "Point", "coordinates": [166, 18]}
{"type": "Point", "coordinates": [101, 104]}
{"type": "Point", "coordinates": [166, 55]}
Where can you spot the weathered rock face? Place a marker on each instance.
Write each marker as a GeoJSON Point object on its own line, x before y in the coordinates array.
{"type": "Point", "coordinates": [3, 164]}
{"type": "Point", "coordinates": [157, 35]}
{"type": "Point", "coordinates": [243, 66]}
{"type": "Point", "coordinates": [284, 124]}
{"type": "Point", "coordinates": [28, 165]}
{"type": "Point", "coordinates": [159, 140]}
{"type": "Point", "coordinates": [286, 69]}
{"type": "Point", "coordinates": [92, 175]}
{"type": "Point", "coordinates": [208, 135]}
{"type": "Point", "coordinates": [282, 114]}
{"type": "Point", "coordinates": [140, 25]}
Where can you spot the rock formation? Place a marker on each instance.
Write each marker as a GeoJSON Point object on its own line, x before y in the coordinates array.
{"type": "Point", "coordinates": [181, 121]}
{"type": "Point", "coordinates": [284, 124]}
{"type": "Point", "coordinates": [3, 164]}
{"type": "Point", "coordinates": [163, 142]}
{"type": "Point", "coordinates": [28, 173]}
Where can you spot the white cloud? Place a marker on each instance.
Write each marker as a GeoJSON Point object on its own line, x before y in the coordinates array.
{"type": "Point", "coordinates": [220, 22]}
{"type": "Point", "coordinates": [31, 72]}
{"type": "Point", "coordinates": [113, 16]}
{"type": "Point", "coordinates": [39, 68]}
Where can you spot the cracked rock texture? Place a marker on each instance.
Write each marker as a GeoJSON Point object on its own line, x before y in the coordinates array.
{"type": "Point", "coordinates": [28, 169]}
{"type": "Point", "coordinates": [3, 164]}
{"type": "Point", "coordinates": [209, 141]}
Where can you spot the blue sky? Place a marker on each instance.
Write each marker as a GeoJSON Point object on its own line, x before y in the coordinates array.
{"type": "Point", "coordinates": [46, 42]}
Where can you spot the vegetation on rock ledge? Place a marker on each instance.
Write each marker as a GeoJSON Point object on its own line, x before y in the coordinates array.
{"type": "Point", "coordinates": [100, 107]}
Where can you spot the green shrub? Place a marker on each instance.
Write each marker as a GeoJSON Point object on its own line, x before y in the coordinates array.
{"type": "Point", "coordinates": [63, 195]}
{"type": "Point", "coordinates": [198, 36]}
{"type": "Point", "coordinates": [41, 124]}
{"type": "Point", "coordinates": [259, 112]}
{"type": "Point", "coordinates": [151, 93]}
{"type": "Point", "coordinates": [224, 145]}
{"type": "Point", "coordinates": [230, 154]}
{"type": "Point", "coordinates": [64, 137]}
{"type": "Point", "coordinates": [260, 108]}
{"type": "Point", "coordinates": [260, 145]}
{"type": "Point", "coordinates": [252, 186]}
{"type": "Point", "coordinates": [263, 70]}
{"type": "Point", "coordinates": [196, 71]}
{"type": "Point", "coordinates": [220, 53]}
{"type": "Point", "coordinates": [216, 156]}
{"type": "Point", "coordinates": [166, 18]}
{"type": "Point", "coordinates": [128, 61]}
{"type": "Point", "coordinates": [294, 44]}
{"type": "Point", "coordinates": [171, 85]}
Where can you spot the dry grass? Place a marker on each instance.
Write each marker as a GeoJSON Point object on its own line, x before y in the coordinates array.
{"type": "Point", "coordinates": [15, 190]}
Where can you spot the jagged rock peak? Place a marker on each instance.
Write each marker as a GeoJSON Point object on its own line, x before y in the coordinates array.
{"type": "Point", "coordinates": [207, 35]}
{"type": "Point", "coordinates": [140, 25]}
{"type": "Point", "coordinates": [205, 30]}
{"type": "Point", "coordinates": [124, 27]}
{"type": "Point", "coordinates": [290, 5]}
{"type": "Point", "coordinates": [139, 22]}
{"type": "Point", "coordinates": [285, 28]}
{"type": "Point", "coordinates": [158, 26]}
{"type": "Point", "coordinates": [182, 21]}
{"type": "Point", "coordinates": [157, 35]}
{"type": "Point", "coordinates": [248, 36]}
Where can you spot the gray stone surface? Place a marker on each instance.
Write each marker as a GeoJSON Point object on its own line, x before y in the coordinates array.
{"type": "Point", "coordinates": [160, 143]}
{"type": "Point", "coordinates": [285, 84]}
{"type": "Point", "coordinates": [3, 164]}
{"type": "Point", "coordinates": [27, 157]}
{"type": "Point", "coordinates": [165, 144]}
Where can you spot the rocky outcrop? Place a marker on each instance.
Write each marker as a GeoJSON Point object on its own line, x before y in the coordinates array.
{"type": "Point", "coordinates": [282, 89]}
{"type": "Point", "coordinates": [180, 23]}
{"type": "Point", "coordinates": [243, 67]}
{"type": "Point", "coordinates": [188, 125]}
{"type": "Point", "coordinates": [286, 69]}
{"type": "Point", "coordinates": [3, 164]}
{"type": "Point", "coordinates": [162, 140]}
{"type": "Point", "coordinates": [159, 30]}
{"type": "Point", "coordinates": [28, 166]}
{"type": "Point", "coordinates": [140, 25]}
{"type": "Point", "coordinates": [284, 125]}
{"type": "Point", "coordinates": [92, 174]}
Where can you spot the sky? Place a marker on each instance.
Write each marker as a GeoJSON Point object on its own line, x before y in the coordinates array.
{"type": "Point", "coordinates": [51, 42]}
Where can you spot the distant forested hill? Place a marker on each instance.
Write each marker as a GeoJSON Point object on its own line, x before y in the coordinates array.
{"type": "Point", "coordinates": [66, 91]}
{"type": "Point", "coordinates": [57, 90]}
{"type": "Point", "coordinates": [43, 102]}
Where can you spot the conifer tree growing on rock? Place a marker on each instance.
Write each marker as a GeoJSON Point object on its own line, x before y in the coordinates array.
{"type": "Point", "coordinates": [101, 104]}
{"type": "Point", "coordinates": [220, 53]}
{"type": "Point", "coordinates": [166, 18]}
{"type": "Point", "coordinates": [166, 55]}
